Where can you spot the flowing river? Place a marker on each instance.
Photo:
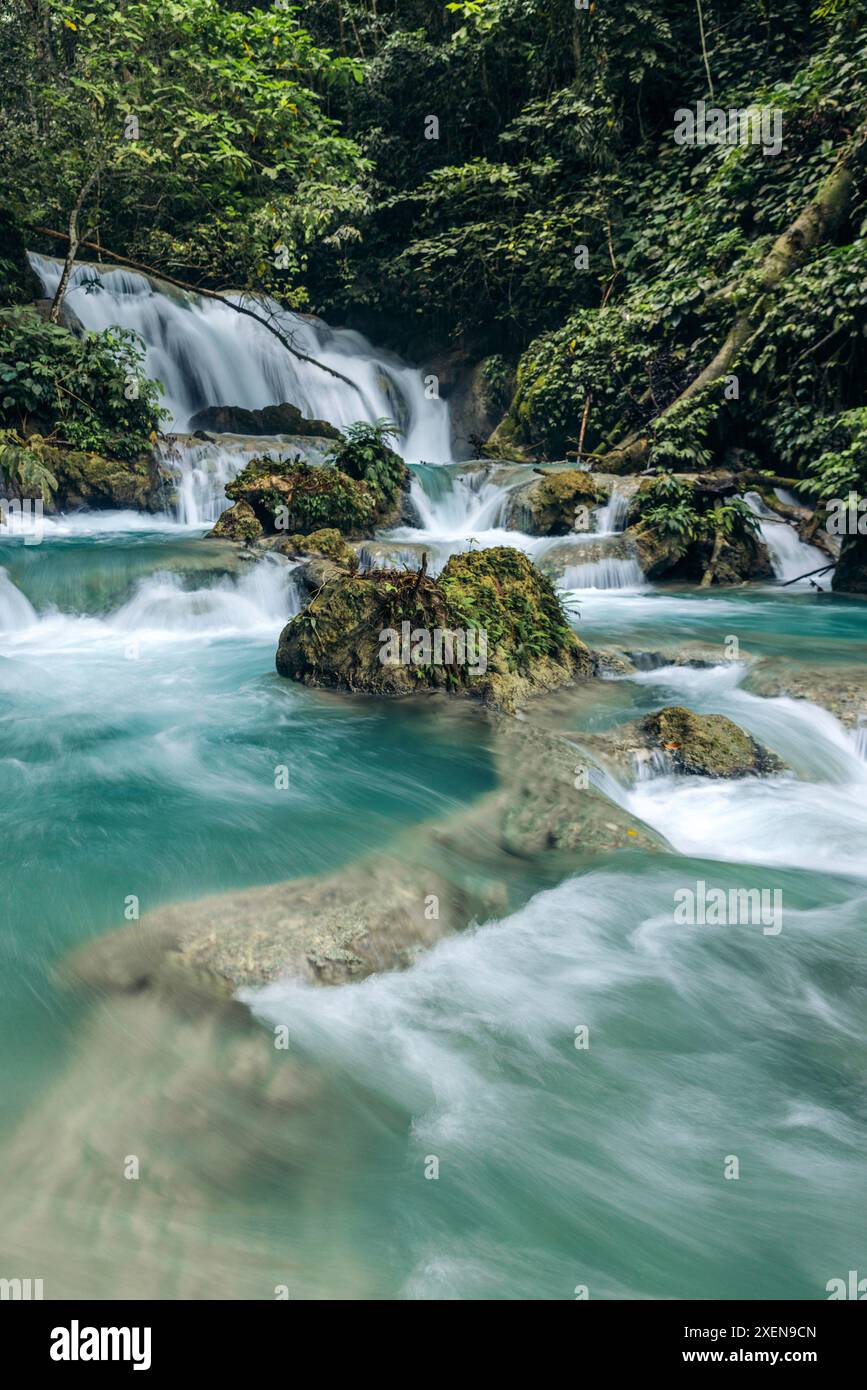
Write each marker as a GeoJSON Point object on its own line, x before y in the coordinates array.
{"type": "Point", "coordinates": [435, 1133]}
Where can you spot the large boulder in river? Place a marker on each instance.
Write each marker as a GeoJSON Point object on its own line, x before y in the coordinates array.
{"type": "Point", "coordinates": [294, 497]}
{"type": "Point", "coordinates": [677, 740]}
{"type": "Point", "coordinates": [706, 745]}
{"type": "Point", "coordinates": [360, 484]}
{"type": "Point", "coordinates": [490, 626]}
{"type": "Point", "coordinates": [554, 504]}
{"type": "Point", "coordinates": [273, 419]}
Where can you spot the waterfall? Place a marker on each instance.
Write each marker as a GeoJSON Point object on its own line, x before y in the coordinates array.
{"type": "Point", "coordinates": [454, 506]}
{"type": "Point", "coordinates": [16, 612]}
{"type": "Point", "coordinates": [206, 354]}
{"type": "Point", "coordinates": [790, 557]}
{"type": "Point", "coordinates": [608, 572]}
{"type": "Point", "coordinates": [203, 467]}
{"type": "Point", "coordinates": [612, 515]}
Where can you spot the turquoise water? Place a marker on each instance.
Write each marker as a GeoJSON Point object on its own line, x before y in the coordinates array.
{"type": "Point", "coordinates": [142, 725]}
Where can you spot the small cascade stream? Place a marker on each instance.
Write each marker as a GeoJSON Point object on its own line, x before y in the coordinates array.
{"type": "Point", "coordinates": [790, 557]}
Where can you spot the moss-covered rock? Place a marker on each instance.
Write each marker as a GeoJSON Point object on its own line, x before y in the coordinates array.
{"type": "Point", "coordinates": [294, 497]}
{"type": "Point", "coordinates": [364, 455]}
{"type": "Point", "coordinates": [490, 626]}
{"type": "Point", "coordinates": [505, 442]}
{"type": "Point", "coordinates": [327, 542]}
{"type": "Point", "coordinates": [92, 480]}
{"type": "Point", "coordinates": [360, 485]}
{"type": "Point", "coordinates": [549, 505]}
{"type": "Point", "coordinates": [658, 552]}
{"type": "Point", "coordinates": [707, 745]}
{"type": "Point", "coordinates": [238, 523]}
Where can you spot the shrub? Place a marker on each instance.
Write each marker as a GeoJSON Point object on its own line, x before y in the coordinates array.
{"type": "Point", "coordinates": [89, 393]}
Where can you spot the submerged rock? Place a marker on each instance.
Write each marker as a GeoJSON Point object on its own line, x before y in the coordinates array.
{"type": "Point", "coordinates": [836, 687]}
{"type": "Point", "coordinates": [273, 419]}
{"type": "Point", "coordinates": [490, 626]}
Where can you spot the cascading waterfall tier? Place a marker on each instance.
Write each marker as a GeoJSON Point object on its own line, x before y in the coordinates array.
{"type": "Point", "coordinates": [206, 354]}
{"type": "Point", "coordinates": [790, 556]}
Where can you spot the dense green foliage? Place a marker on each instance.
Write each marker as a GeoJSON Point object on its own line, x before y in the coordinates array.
{"type": "Point", "coordinates": [675, 507]}
{"type": "Point", "coordinates": [499, 176]}
{"type": "Point", "coordinates": [501, 592]}
{"type": "Point", "coordinates": [88, 392]}
{"type": "Point", "coordinates": [291, 496]}
{"type": "Point", "coordinates": [364, 454]}
{"type": "Point", "coordinates": [842, 468]}
{"type": "Point", "coordinates": [194, 132]}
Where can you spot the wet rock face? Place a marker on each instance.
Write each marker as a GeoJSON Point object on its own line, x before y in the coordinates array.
{"type": "Point", "coordinates": [305, 499]}
{"type": "Point", "coordinates": [662, 555]}
{"type": "Point", "coordinates": [238, 523]}
{"type": "Point", "coordinates": [850, 576]}
{"type": "Point", "coordinates": [549, 505]}
{"type": "Point", "coordinates": [490, 626]}
{"type": "Point", "coordinates": [91, 480]}
{"type": "Point", "coordinates": [706, 745]}
{"type": "Point", "coordinates": [274, 419]}
{"type": "Point", "coordinates": [327, 543]}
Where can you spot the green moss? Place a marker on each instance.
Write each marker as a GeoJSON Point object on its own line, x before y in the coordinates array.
{"type": "Point", "coordinates": [528, 644]}
{"type": "Point", "coordinates": [328, 542]}
{"type": "Point", "coordinates": [239, 523]}
{"type": "Point", "coordinates": [708, 745]}
{"type": "Point", "coordinates": [501, 591]}
{"type": "Point", "coordinates": [313, 498]}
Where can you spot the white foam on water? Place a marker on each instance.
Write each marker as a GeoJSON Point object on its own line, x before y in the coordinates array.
{"type": "Point", "coordinates": [16, 612]}
{"type": "Point", "coordinates": [162, 610]}
{"type": "Point", "coordinates": [604, 574]}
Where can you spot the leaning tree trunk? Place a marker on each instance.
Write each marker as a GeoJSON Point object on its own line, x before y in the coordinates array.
{"type": "Point", "coordinates": [71, 250]}
{"type": "Point", "coordinates": [710, 573]}
{"type": "Point", "coordinates": [814, 225]}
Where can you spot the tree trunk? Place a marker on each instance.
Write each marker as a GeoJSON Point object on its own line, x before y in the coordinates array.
{"type": "Point", "coordinates": [811, 227]}
{"type": "Point", "coordinates": [708, 576]}
{"type": "Point", "coordinates": [71, 250]}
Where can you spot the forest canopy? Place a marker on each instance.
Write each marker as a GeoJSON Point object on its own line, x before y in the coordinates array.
{"type": "Point", "coordinates": [498, 178]}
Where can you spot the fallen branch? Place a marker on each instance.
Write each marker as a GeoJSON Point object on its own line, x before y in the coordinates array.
{"type": "Point", "coordinates": [206, 294]}
{"type": "Point", "coordinates": [823, 570]}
